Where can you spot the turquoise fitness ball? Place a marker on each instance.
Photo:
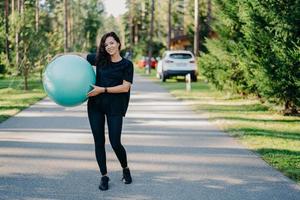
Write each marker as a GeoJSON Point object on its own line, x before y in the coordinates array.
{"type": "Point", "coordinates": [67, 80]}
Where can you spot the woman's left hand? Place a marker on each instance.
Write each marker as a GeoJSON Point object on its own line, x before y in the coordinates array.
{"type": "Point", "coordinates": [97, 90]}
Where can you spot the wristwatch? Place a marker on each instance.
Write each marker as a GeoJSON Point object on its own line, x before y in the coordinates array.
{"type": "Point", "coordinates": [105, 90]}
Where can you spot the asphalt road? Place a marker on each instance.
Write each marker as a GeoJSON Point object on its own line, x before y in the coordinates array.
{"type": "Point", "coordinates": [47, 153]}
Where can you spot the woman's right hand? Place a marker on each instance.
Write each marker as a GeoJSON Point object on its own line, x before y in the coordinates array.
{"type": "Point", "coordinates": [96, 91]}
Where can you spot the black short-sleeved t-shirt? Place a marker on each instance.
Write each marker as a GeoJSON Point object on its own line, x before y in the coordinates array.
{"type": "Point", "coordinates": [112, 75]}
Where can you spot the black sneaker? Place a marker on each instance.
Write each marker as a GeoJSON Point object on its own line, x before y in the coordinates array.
{"type": "Point", "coordinates": [104, 183]}
{"type": "Point", "coordinates": [126, 176]}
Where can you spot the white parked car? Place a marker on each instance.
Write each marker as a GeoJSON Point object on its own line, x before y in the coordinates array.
{"type": "Point", "coordinates": [177, 63]}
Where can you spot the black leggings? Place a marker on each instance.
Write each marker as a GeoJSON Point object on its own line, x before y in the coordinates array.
{"type": "Point", "coordinates": [114, 122]}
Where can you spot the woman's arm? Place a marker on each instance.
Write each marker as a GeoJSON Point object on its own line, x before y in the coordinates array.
{"type": "Point", "coordinates": [116, 89]}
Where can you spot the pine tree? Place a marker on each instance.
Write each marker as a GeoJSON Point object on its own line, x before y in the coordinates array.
{"type": "Point", "coordinates": [257, 50]}
{"type": "Point", "coordinates": [224, 65]}
{"type": "Point", "coordinates": [272, 40]}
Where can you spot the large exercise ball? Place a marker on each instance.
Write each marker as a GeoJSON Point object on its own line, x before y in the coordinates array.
{"type": "Point", "coordinates": [67, 80]}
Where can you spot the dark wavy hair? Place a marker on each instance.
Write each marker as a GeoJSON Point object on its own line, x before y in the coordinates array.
{"type": "Point", "coordinates": [102, 57]}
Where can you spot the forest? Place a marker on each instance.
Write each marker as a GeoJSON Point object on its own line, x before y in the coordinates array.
{"type": "Point", "coordinates": [249, 47]}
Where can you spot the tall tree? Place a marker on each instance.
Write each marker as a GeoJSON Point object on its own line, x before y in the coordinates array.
{"type": "Point", "coordinates": [37, 14]}
{"type": "Point", "coordinates": [196, 28]}
{"type": "Point", "coordinates": [6, 30]}
{"type": "Point", "coordinates": [36, 32]}
{"type": "Point", "coordinates": [66, 46]}
{"type": "Point", "coordinates": [272, 40]}
{"type": "Point", "coordinates": [257, 50]}
{"type": "Point", "coordinates": [169, 23]}
{"type": "Point", "coordinates": [92, 23]}
{"type": "Point", "coordinates": [12, 6]}
{"type": "Point", "coordinates": [209, 16]}
{"type": "Point", "coordinates": [150, 39]}
{"type": "Point", "coordinates": [136, 22]}
{"type": "Point", "coordinates": [131, 25]}
{"type": "Point", "coordinates": [17, 32]}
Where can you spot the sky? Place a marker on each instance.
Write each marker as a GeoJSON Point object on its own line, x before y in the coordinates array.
{"type": "Point", "coordinates": [114, 7]}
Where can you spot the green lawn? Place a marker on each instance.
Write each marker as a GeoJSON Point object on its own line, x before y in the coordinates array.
{"type": "Point", "coordinates": [259, 126]}
{"type": "Point", "coordinates": [13, 98]}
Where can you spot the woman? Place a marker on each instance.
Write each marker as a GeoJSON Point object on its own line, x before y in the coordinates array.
{"type": "Point", "coordinates": [109, 99]}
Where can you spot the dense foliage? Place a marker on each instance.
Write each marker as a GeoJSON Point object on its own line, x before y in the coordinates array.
{"type": "Point", "coordinates": [257, 50]}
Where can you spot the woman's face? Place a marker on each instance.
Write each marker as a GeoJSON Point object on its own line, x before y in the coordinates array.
{"type": "Point", "coordinates": [111, 46]}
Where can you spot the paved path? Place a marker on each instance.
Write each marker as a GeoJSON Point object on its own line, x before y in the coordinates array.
{"type": "Point", "coordinates": [47, 152]}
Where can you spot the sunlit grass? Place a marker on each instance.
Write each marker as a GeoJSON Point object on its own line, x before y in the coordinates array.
{"type": "Point", "coordinates": [259, 126]}
{"type": "Point", "coordinates": [13, 98]}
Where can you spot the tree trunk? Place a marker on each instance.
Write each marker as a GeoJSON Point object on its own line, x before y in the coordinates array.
{"type": "Point", "coordinates": [131, 34]}
{"type": "Point", "coordinates": [22, 7]}
{"type": "Point", "coordinates": [136, 34]}
{"type": "Point", "coordinates": [169, 24]}
{"type": "Point", "coordinates": [196, 29]}
{"type": "Point", "coordinates": [13, 11]}
{"type": "Point", "coordinates": [6, 31]}
{"type": "Point", "coordinates": [17, 36]}
{"type": "Point", "coordinates": [65, 26]}
{"type": "Point", "coordinates": [12, 7]}
{"type": "Point", "coordinates": [70, 26]}
{"type": "Point", "coordinates": [209, 17]}
{"type": "Point", "coordinates": [37, 15]}
{"type": "Point", "coordinates": [148, 68]}
{"type": "Point", "coordinates": [25, 78]}
{"type": "Point", "coordinates": [23, 55]}
{"type": "Point", "coordinates": [131, 25]}
{"type": "Point", "coordinates": [71, 23]}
